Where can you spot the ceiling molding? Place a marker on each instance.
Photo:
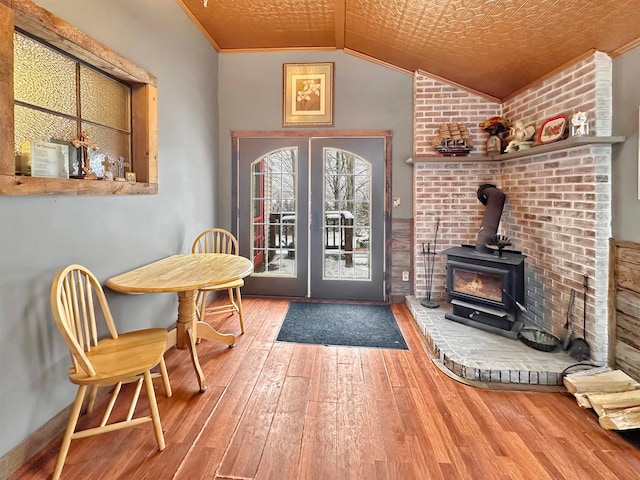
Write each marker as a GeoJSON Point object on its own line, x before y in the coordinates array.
{"type": "Point", "coordinates": [278, 49]}
{"type": "Point", "coordinates": [624, 48]}
{"type": "Point", "coordinates": [377, 61]}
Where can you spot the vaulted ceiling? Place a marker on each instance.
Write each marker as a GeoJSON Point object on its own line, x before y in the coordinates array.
{"type": "Point", "coordinates": [494, 47]}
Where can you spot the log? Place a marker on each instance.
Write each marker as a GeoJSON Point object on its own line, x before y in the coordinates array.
{"type": "Point", "coordinates": [606, 382]}
{"type": "Point", "coordinates": [624, 419]}
{"type": "Point", "coordinates": [605, 403]}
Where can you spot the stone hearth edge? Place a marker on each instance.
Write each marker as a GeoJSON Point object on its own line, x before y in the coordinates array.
{"type": "Point", "coordinates": [479, 356]}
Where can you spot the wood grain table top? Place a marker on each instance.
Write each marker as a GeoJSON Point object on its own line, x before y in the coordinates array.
{"type": "Point", "coordinates": [181, 273]}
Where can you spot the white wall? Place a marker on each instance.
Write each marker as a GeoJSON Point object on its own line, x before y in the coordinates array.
{"type": "Point", "coordinates": [109, 234]}
{"type": "Point", "coordinates": [626, 102]}
{"type": "Point", "coordinates": [367, 96]}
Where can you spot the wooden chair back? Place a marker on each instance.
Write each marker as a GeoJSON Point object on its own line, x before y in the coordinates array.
{"type": "Point", "coordinates": [215, 240]}
{"type": "Point", "coordinates": [78, 302]}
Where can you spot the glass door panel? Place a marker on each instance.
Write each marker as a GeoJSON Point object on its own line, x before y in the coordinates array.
{"type": "Point", "coordinates": [347, 228]}
{"type": "Point", "coordinates": [346, 216]}
{"type": "Point", "coordinates": [273, 203]}
{"type": "Point", "coordinates": [272, 214]}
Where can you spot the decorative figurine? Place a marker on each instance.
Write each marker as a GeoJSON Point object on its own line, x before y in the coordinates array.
{"type": "Point", "coordinates": [121, 164]}
{"type": "Point", "coordinates": [520, 137]}
{"type": "Point", "coordinates": [579, 124]}
{"type": "Point", "coordinates": [84, 159]}
{"type": "Point", "coordinates": [109, 165]}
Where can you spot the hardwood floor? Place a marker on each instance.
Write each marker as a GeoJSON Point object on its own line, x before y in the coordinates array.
{"type": "Point", "coordinates": [286, 411]}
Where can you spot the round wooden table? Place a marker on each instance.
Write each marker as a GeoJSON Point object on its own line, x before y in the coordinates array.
{"type": "Point", "coordinates": [185, 274]}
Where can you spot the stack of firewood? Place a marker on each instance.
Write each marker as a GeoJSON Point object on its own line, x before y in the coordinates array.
{"type": "Point", "coordinates": [612, 394]}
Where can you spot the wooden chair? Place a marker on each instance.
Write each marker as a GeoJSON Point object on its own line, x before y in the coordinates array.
{"type": "Point", "coordinates": [218, 240]}
{"type": "Point", "coordinates": [78, 302]}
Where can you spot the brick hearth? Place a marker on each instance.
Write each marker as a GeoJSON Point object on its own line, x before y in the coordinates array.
{"type": "Point", "coordinates": [481, 356]}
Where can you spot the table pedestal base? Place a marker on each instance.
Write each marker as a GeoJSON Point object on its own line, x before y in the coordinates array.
{"type": "Point", "coordinates": [190, 330]}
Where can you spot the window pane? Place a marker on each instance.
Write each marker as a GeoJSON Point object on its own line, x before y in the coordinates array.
{"type": "Point", "coordinates": [104, 100]}
{"type": "Point", "coordinates": [347, 194]}
{"type": "Point", "coordinates": [111, 145]}
{"type": "Point", "coordinates": [43, 77]}
{"type": "Point", "coordinates": [273, 215]}
{"type": "Point", "coordinates": [36, 125]}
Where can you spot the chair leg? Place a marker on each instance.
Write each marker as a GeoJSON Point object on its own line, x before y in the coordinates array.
{"type": "Point", "coordinates": [165, 378]}
{"type": "Point", "coordinates": [71, 426]}
{"type": "Point", "coordinates": [153, 405]}
{"type": "Point", "coordinates": [93, 393]}
{"type": "Point", "coordinates": [239, 306]}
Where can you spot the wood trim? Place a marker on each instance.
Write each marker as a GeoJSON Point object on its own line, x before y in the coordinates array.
{"type": "Point", "coordinates": [144, 100]}
{"type": "Point", "coordinates": [309, 133]}
{"type": "Point", "coordinates": [46, 26]}
{"type": "Point", "coordinates": [339, 9]}
{"type": "Point", "coordinates": [388, 217]}
{"type": "Point", "coordinates": [278, 49]}
{"type": "Point", "coordinates": [611, 303]}
{"type": "Point", "coordinates": [624, 48]}
{"type": "Point", "coordinates": [18, 185]}
{"type": "Point", "coordinates": [377, 61]}
{"type": "Point", "coordinates": [7, 156]}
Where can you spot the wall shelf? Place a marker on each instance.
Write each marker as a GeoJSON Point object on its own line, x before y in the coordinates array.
{"type": "Point", "coordinates": [570, 142]}
{"type": "Point", "coordinates": [19, 185]}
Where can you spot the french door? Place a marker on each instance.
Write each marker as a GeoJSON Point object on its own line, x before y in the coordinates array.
{"type": "Point", "coordinates": [310, 212]}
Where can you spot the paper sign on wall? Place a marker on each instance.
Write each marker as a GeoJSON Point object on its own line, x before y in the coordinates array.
{"type": "Point", "coordinates": [44, 159]}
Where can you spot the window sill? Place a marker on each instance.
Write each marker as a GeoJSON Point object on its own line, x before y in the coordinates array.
{"type": "Point", "coordinates": [19, 185]}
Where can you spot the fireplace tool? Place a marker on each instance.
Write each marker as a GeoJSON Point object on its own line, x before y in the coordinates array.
{"type": "Point", "coordinates": [569, 338]}
{"type": "Point", "coordinates": [428, 259]}
{"type": "Point", "coordinates": [532, 336]}
{"type": "Point", "coordinates": [580, 349]}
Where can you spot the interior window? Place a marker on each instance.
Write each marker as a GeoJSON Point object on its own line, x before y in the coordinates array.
{"type": "Point", "coordinates": [60, 100]}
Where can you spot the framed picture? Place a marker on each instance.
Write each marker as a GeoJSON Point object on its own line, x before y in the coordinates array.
{"type": "Point", "coordinates": [307, 94]}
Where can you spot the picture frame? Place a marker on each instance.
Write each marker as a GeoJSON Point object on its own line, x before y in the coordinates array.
{"type": "Point", "coordinates": [307, 94]}
{"type": "Point", "coordinates": [131, 177]}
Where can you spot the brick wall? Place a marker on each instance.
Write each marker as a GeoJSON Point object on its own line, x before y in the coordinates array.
{"type": "Point", "coordinates": [437, 102]}
{"type": "Point", "coordinates": [558, 207]}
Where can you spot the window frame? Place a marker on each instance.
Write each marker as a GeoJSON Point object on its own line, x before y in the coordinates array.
{"type": "Point", "coordinates": [38, 22]}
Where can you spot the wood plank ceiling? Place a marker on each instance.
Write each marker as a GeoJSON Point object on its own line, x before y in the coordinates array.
{"type": "Point", "coordinates": [494, 47]}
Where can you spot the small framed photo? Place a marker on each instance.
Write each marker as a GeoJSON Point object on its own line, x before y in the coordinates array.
{"type": "Point", "coordinates": [307, 97]}
{"type": "Point", "coordinates": [494, 144]}
{"type": "Point", "coordinates": [131, 177]}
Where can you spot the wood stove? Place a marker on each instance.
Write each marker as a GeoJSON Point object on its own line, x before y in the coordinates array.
{"type": "Point", "coordinates": [486, 290]}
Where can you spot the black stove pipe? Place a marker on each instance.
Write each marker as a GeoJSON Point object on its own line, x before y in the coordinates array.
{"type": "Point", "coordinates": [494, 199]}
